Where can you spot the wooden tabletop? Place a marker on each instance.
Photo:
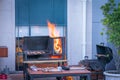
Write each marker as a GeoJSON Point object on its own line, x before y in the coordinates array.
{"type": "Point", "coordinates": [80, 71]}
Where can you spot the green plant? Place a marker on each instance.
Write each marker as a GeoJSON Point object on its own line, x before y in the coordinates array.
{"type": "Point", "coordinates": [111, 12]}
{"type": "Point", "coordinates": [111, 20]}
{"type": "Point", "coordinates": [102, 34]}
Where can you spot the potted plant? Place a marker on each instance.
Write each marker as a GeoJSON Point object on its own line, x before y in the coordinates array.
{"type": "Point", "coordinates": [111, 12]}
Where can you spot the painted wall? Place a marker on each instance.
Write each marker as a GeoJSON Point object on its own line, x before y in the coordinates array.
{"type": "Point", "coordinates": [7, 32]}
{"type": "Point", "coordinates": [97, 28]}
{"type": "Point", "coordinates": [97, 25]}
{"type": "Point", "coordinates": [75, 30]}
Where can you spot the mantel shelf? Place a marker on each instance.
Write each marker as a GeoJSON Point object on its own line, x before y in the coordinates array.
{"type": "Point", "coordinates": [45, 61]}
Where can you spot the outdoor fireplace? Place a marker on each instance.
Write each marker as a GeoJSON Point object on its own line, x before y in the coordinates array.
{"type": "Point", "coordinates": [43, 48]}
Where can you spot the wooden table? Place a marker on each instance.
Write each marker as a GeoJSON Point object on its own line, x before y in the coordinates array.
{"type": "Point", "coordinates": [25, 65]}
{"type": "Point", "coordinates": [40, 74]}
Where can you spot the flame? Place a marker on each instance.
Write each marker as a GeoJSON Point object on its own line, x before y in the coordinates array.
{"type": "Point", "coordinates": [53, 33]}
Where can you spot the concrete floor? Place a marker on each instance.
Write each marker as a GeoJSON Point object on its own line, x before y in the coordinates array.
{"type": "Point", "coordinates": [20, 77]}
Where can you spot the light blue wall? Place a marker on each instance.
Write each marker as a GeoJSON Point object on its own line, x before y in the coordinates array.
{"type": "Point", "coordinates": [97, 28]}
{"type": "Point", "coordinates": [97, 25]}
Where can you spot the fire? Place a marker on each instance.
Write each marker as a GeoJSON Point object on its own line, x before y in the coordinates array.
{"type": "Point", "coordinates": [53, 33]}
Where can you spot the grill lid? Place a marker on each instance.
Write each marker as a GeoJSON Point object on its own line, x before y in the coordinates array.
{"type": "Point", "coordinates": [104, 54]}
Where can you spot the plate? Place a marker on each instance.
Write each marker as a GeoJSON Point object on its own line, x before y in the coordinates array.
{"type": "Point", "coordinates": [54, 70]}
{"type": "Point", "coordinates": [51, 70]}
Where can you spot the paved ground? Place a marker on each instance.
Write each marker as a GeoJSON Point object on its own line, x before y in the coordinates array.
{"type": "Point", "coordinates": [20, 77]}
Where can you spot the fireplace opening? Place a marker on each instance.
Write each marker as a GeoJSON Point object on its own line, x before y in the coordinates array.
{"type": "Point", "coordinates": [44, 48]}
{"type": "Point", "coordinates": [57, 47]}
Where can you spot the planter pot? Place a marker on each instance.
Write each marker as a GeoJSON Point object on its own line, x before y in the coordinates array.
{"type": "Point", "coordinates": [112, 75]}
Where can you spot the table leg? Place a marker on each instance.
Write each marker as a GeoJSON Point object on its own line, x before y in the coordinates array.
{"type": "Point", "coordinates": [85, 77]}
{"type": "Point", "coordinates": [58, 78]}
{"type": "Point", "coordinates": [31, 78]}
{"type": "Point", "coordinates": [25, 71]}
{"type": "Point", "coordinates": [88, 77]}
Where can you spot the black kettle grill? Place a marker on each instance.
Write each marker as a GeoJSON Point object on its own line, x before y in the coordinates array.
{"type": "Point", "coordinates": [104, 56]}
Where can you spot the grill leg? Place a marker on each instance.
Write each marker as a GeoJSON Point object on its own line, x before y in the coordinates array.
{"type": "Point", "coordinates": [58, 78]}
